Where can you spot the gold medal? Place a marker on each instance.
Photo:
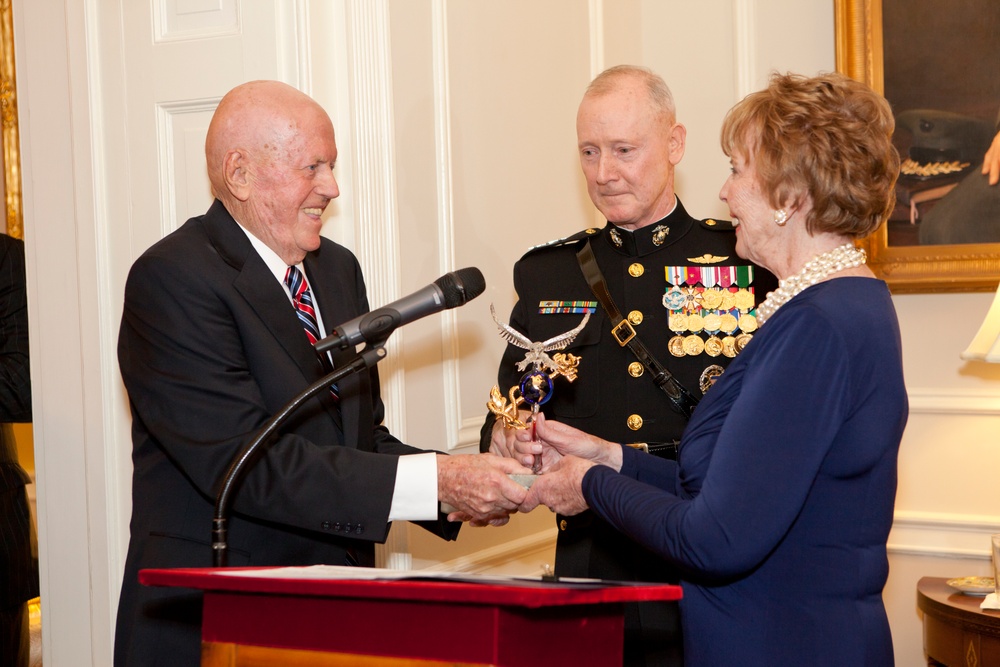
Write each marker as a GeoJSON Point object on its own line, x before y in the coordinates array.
{"type": "Point", "coordinates": [728, 301]}
{"type": "Point", "coordinates": [744, 300]}
{"type": "Point", "coordinates": [712, 322]}
{"type": "Point", "coordinates": [676, 346]}
{"type": "Point", "coordinates": [693, 345]}
{"type": "Point", "coordinates": [678, 322]}
{"type": "Point", "coordinates": [727, 323]}
{"type": "Point", "coordinates": [729, 346]}
{"type": "Point", "coordinates": [696, 323]}
{"type": "Point", "coordinates": [748, 323]}
{"type": "Point", "coordinates": [741, 341]}
{"type": "Point", "coordinates": [713, 346]}
{"type": "Point", "coordinates": [711, 298]}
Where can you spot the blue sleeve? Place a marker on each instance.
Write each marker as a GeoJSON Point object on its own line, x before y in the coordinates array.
{"type": "Point", "coordinates": [643, 467]}
{"type": "Point", "coordinates": [794, 397]}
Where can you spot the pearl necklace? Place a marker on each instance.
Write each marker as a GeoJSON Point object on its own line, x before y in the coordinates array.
{"type": "Point", "coordinates": [817, 269]}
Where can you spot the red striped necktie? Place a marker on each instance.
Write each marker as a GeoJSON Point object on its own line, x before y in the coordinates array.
{"type": "Point", "coordinates": [303, 302]}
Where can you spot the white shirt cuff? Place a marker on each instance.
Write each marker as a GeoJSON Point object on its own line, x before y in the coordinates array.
{"type": "Point", "coordinates": [415, 497]}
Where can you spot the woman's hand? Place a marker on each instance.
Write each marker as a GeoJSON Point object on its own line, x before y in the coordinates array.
{"type": "Point", "coordinates": [562, 440]}
{"type": "Point", "coordinates": [560, 489]}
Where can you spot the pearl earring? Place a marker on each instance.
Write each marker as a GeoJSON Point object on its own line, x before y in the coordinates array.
{"type": "Point", "coordinates": [780, 217]}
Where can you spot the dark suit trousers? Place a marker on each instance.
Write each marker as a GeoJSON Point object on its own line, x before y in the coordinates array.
{"type": "Point", "coordinates": [14, 640]}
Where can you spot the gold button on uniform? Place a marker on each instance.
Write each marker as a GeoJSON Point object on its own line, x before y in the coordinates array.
{"type": "Point", "coordinates": [562, 524]}
{"type": "Point", "coordinates": [634, 422]}
{"type": "Point", "coordinates": [635, 369]}
{"type": "Point", "coordinates": [635, 318]}
{"type": "Point", "coordinates": [636, 270]}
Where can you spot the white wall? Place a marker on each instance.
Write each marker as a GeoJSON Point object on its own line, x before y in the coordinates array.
{"type": "Point", "coordinates": [455, 120]}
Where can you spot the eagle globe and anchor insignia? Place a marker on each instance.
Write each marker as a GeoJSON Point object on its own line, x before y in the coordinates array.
{"type": "Point", "coordinates": [535, 387]}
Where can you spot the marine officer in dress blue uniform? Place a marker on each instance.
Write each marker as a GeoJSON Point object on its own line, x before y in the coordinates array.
{"type": "Point", "coordinates": [676, 282]}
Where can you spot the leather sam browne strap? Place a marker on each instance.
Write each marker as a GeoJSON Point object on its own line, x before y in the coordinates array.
{"type": "Point", "coordinates": [625, 334]}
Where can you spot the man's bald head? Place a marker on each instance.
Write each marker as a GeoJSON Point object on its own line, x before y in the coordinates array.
{"type": "Point", "coordinates": [258, 117]}
{"type": "Point", "coordinates": [270, 152]}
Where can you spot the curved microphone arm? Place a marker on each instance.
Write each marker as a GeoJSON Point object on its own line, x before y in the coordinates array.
{"type": "Point", "coordinates": [367, 358]}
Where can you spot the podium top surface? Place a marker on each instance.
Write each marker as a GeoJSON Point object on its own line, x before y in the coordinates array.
{"type": "Point", "coordinates": [375, 583]}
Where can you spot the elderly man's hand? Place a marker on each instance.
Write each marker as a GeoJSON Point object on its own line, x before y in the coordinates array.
{"type": "Point", "coordinates": [476, 487]}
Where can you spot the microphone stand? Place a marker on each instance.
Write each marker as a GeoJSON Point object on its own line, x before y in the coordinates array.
{"type": "Point", "coordinates": [373, 353]}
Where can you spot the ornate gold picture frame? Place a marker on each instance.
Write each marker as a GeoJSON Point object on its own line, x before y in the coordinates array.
{"type": "Point", "coordinates": [11, 139]}
{"type": "Point", "coordinates": [968, 267]}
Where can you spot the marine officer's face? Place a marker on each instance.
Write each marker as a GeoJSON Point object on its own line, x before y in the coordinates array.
{"type": "Point", "coordinates": [294, 183]}
{"type": "Point", "coordinates": [628, 153]}
{"type": "Point", "coordinates": [758, 238]}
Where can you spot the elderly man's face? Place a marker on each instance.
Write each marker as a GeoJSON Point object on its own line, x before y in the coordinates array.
{"type": "Point", "coordinates": [293, 184]}
{"type": "Point", "coordinates": [628, 155]}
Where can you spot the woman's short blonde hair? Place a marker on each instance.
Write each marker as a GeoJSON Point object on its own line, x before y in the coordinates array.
{"type": "Point", "coordinates": [828, 138]}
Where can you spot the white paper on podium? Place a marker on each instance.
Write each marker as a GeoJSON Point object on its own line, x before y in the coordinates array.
{"type": "Point", "coordinates": [343, 572]}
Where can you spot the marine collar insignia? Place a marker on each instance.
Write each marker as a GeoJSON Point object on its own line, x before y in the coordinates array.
{"type": "Point", "coordinates": [708, 259]}
{"type": "Point", "coordinates": [616, 238]}
{"type": "Point", "coordinates": [660, 233]}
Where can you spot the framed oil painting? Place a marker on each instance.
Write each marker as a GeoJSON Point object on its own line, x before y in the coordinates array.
{"type": "Point", "coordinates": [935, 62]}
{"type": "Point", "coordinates": [8, 114]}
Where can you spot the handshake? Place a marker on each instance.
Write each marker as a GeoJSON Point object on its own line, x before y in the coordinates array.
{"type": "Point", "coordinates": [485, 489]}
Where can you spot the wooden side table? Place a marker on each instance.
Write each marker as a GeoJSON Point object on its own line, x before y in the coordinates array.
{"type": "Point", "coordinates": [957, 633]}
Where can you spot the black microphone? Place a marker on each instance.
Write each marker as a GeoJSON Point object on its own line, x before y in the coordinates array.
{"type": "Point", "coordinates": [450, 290]}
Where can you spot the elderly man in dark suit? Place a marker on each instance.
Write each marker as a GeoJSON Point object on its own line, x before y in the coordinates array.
{"type": "Point", "coordinates": [216, 338]}
{"type": "Point", "coordinates": [19, 578]}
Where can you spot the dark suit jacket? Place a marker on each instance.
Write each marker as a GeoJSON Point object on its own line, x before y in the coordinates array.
{"type": "Point", "coordinates": [210, 348]}
{"type": "Point", "coordinates": [19, 579]}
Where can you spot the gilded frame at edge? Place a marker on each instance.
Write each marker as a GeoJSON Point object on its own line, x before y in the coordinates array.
{"type": "Point", "coordinates": [11, 137]}
{"type": "Point", "coordinates": [972, 267]}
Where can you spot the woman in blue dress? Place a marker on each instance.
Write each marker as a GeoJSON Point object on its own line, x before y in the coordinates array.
{"type": "Point", "coordinates": [780, 504]}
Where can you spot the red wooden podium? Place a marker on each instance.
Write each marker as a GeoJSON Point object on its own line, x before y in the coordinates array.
{"type": "Point", "coordinates": [296, 616]}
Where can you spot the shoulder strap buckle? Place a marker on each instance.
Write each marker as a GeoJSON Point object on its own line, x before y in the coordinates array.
{"type": "Point", "coordinates": [623, 332]}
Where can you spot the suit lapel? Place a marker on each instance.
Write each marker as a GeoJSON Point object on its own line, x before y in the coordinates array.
{"type": "Point", "coordinates": [256, 284]}
{"type": "Point", "coordinates": [337, 307]}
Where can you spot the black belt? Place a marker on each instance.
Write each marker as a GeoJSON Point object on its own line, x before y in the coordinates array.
{"type": "Point", "coordinates": [664, 450]}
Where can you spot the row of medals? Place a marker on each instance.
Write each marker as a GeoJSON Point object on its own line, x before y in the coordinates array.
{"type": "Point", "coordinates": [689, 316]}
